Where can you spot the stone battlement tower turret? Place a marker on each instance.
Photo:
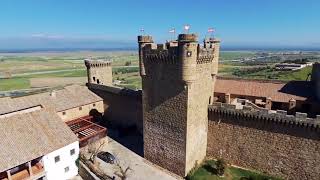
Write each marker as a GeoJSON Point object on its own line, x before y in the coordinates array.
{"type": "Point", "coordinates": [99, 72]}
{"type": "Point", "coordinates": [177, 83]}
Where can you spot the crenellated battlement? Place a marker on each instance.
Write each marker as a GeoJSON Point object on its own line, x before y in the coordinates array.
{"type": "Point", "coordinates": [279, 116]}
{"type": "Point", "coordinates": [186, 52]}
{"type": "Point", "coordinates": [161, 57]}
{"type": "Point", "coordinates": [99, 71]}
{"type": "Point", "coordinates": [205, 55]}
{"type": "Point", "coordinates": [90, 63]}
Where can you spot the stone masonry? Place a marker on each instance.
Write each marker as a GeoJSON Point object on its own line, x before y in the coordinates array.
{"type": "Point", "coordinates": [99, 72]}
{"type": "Point", "coordinates": [278, 144]}
{"type": "Point", "coordinates": [177, 88]}
{"type": "Point", "coordinates": [182, 125]}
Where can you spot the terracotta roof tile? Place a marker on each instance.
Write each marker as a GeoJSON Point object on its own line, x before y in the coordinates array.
{"type": "Point", "coordinates": [67, 98]}
{"type": "Point", "coordinates": [278, 90]}
{"type": "Point", "coordinates": [29, 136]}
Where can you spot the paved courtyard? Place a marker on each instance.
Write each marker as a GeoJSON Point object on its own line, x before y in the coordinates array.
{"type": "Point", "coordinates": [140, 168]}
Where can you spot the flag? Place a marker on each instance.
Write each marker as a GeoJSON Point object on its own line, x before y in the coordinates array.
{"type": "Point", "coordinates": [186, 27]}
{"type": "Point", "coordinates": [210, 30]}
{"type": "Point", "coordinates": [172, 30]}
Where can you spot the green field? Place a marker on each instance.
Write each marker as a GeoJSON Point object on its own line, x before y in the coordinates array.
{"type": "Point", "coordinates": [18, 69]}
{"type": "Point", "coordinates": [207, 172]}
{"type": "Point", "coordinates": [232, 55]}
{"type": "Point", "coordinates": [272, 74]}
{"type": "Point", "coordinates": [14, 84]}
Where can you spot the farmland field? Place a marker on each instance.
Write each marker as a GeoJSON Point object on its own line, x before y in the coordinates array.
{"type": "Point", "coordinates": [37, 70]}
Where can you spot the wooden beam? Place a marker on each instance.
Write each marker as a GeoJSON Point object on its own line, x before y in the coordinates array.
{"type": "Point", "coordinates": [9, 175]}
{"type": "Point", "coordinates": [30, 169]}
{"type": "Point", "coordinates": [83, 128]}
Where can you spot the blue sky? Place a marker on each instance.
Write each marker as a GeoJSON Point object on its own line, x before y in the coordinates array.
{"type": "Point", "coordinates": [106, 23]}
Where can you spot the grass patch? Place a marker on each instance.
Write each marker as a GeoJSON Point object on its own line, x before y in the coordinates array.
{"type": "Point", "coordinates": [301, 74]}
{"type": "Point", "coordinates": [271, 73]}
{"type": "Point", "coordinates": [14, 83]}
{"type": "Point", "coordinates": [206, 172]}
{"type": "Point", "coordinates": [233, 55]}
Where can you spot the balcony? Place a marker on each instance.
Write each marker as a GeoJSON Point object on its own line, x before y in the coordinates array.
{"type": "Point", "coordinates": [29, 171]}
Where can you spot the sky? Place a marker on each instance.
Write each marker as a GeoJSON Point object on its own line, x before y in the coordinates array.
{"type": "Point", "coordinates": [116, 23]}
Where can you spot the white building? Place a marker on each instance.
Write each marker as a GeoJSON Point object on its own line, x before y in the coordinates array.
{"type": "Point", "coordinates": [37, 145]}
{"type": "Point", "coordinates": [291, 66]}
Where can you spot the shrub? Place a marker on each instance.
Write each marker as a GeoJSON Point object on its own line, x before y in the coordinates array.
{"type": "Point", "coordinates": [220, 167]}
{"type": "Point", "coordinates": [128, 63]}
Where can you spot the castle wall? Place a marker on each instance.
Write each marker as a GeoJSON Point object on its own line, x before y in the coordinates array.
{"type": "Point", "coordinates": [277, 145]}
{"type": "Point", "coordinates": [99, 72]}
{"type": "Point", "coordinates": [122, 107]}
{"type": "Point", "coordinates": [177, 85]}
{"type": "Point", "coordinates": [197, 128]}
{"type": "Point", "coordinates": [315, 78]}
{"type": "Point", "coordinates": [164, 128]}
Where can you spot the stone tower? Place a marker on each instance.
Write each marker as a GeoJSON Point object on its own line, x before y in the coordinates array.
{"type": "Point", "coordinates": [177, 83]}
{"type": "Point", "coordinates": [315, 78]}
{"type": "Point", "coordinates": [99, 72]}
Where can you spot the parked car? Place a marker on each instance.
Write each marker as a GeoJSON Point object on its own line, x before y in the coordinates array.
{"type": "Point", "coordinates": [107, 157]}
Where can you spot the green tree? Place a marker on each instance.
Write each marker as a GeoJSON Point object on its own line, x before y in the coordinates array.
{"type": "Point", "coordinates": [128, 63]}
{"type": "Point", "coordinates": [220, 167]}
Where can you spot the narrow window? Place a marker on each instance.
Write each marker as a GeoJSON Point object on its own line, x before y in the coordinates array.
{"type": "Point", "coordinates": [72, 152]}
{"type": "Point", "coordinates": [56, 159]}
{"type": "Point", "coordinates": [80, 108]}
{"type": "Point", "coordinates": [94, 78]}
{"type": "Point", "coordinates": [66, 169]}
{"type": "Point", "coordinates": [94, 105]}
{"type": "Point", "coordinates": [63, 113]}
{"type": "Point", "coordinates": [98, 81]}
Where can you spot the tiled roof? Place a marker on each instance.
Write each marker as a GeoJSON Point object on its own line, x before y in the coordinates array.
{"type": "Point", "coordinates": [279, 91]}
{"type": "Point", "coordinates": [29, 136]}
{"type": "Point", "coordinates": [67, 98]}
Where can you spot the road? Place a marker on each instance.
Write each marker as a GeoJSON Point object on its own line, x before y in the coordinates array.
{"type": "Point", "coordinates": [55, 71]}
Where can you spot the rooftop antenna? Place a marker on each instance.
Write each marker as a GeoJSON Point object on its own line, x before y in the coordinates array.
{"type": "Point", "coordinates": [173, 32]}
{"type": "Point", "coordinates": [186, 28]}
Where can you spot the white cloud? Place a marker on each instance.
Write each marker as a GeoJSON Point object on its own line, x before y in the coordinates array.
{"type": "Point", "coordinates": [47, 36]}
{"type": "Point", "coordinates": [38, 35]}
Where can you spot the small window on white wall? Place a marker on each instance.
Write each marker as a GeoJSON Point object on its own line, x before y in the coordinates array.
{"type": "Point", "coordinates": [94, 105]}
{"type": "Point", "coordinates": [66, 169]}
{"type": "Point", "coordinates": [72, 152]}
{"type": "Point", "coordinates": [56, 159]}
{"type": "Point", "coordinates": [63, 113]}
{"type": "Point", "coordinates": [80, 108]}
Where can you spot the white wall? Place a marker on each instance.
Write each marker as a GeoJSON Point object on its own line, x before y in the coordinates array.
{"type": "Point", "coordinates": [56, 171]}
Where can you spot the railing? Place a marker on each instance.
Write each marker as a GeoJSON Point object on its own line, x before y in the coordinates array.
{"type": "Point", "coordinates": [26, 173]}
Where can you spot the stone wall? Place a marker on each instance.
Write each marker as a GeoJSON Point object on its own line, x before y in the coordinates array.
{"type": "Point", "coordinates": [177, 88]}
{"type": "Point", "coordinates": [81, 111]}
{"type": "Point", "coordinates": [197, 126]}
{"type": "Point", "coordinates": [85, 172]}
{"type": "Point", "coordinates": [99, 72]}
{"type": "Point", "coordinates": [164, 128]}
{"type": "Point", "coordinates": [122, 107]}
{"type": "Point", "coordinates": [281, 145]}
